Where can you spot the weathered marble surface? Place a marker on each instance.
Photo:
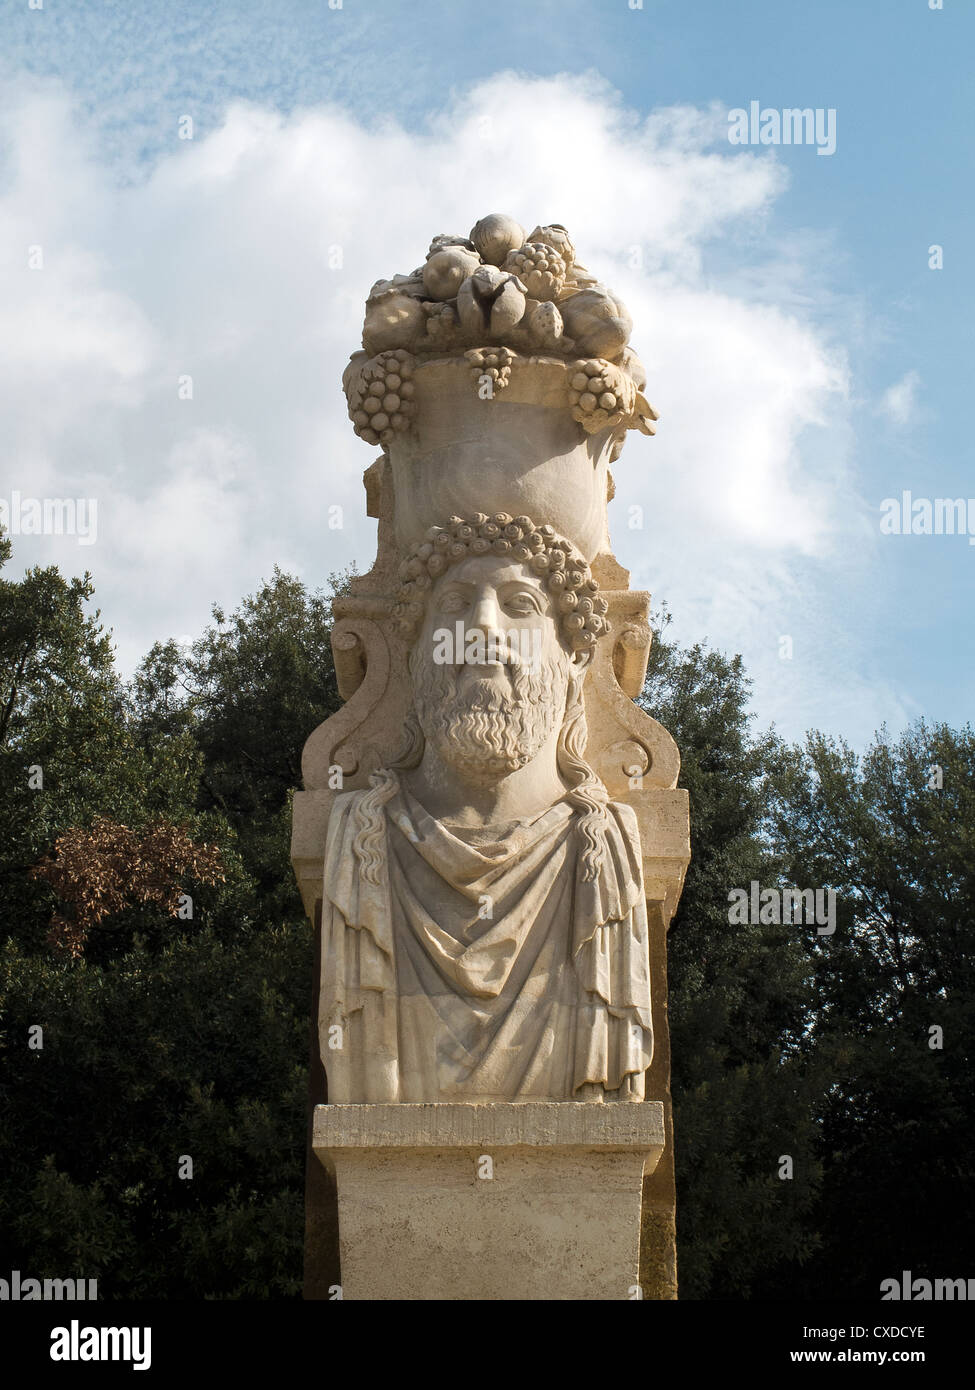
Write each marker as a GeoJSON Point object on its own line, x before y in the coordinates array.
{"type": "Point", "coordinates": [493, 845]}
{"type": "Point", "coordinates": [490, 1202]}
{"type": "Point", "coordinates": [484, 927]}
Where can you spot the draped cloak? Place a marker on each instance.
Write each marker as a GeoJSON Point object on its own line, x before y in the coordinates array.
{"type": "Point", "coordinates": [458, 971]}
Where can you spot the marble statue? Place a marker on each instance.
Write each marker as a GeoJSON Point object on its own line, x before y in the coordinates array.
{"type": "Point", "coordinates": [490, 839]}
{"type": "Point", "coordinates": [484, 930]}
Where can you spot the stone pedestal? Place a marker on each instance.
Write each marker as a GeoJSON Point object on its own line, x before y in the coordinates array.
{"type": "Point", "coordinates": [539, 1200]}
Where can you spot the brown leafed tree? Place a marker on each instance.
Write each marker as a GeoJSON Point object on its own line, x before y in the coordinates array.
{"type": "Point", "coordinates": [101, 869]}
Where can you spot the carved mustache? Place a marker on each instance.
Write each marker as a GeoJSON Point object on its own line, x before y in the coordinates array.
{"type": "Point", "coordinates": [460, 647]}
{"type": "Point", "coordinates": [501, 656]}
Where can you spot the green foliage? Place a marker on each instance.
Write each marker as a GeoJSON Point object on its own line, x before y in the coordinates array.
{"type": "Point", "coordinates": [897, 1113]}
{"type": "Point", "coordinates": [68, 752]}
{"type": "Point", "coordinates": [169, 1037]}
{"type": "Point", "coordinates": [739, 996]}
{"type": "Point", "coordinates": [250, 691]}
{"type": "Point", "coordinates": [198, 1049]}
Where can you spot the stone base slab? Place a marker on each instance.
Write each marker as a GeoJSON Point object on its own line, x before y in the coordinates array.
{"type": "Point", "coordinates": [539, 1200]}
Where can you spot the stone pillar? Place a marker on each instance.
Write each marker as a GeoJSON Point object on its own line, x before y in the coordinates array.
{"type": "Point", "coordinates": [451, 1027]}
{"type": "Point", "coordinates": [495, 1201]}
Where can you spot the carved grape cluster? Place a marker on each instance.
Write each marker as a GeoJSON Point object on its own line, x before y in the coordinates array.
{"type": "Point", "coordinates": [540, 268]}
{"type": "Point", "coordinates": [441, 324]}
{"type": "Point", "coordinates": [575, 594]}
{"type": "Point", "coordinates": [555, 235]}
{"type": "Point", "coordinates": [599, 393]}
{"type": "Point", "coordinates": [381, 401]}
{"type": "Point", "coordinates": [491, 362]}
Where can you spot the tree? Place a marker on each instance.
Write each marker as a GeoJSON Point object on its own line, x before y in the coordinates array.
{"type": "Point", "coordinates": [67, 750]}
{"type": "Point", "coordinates": [99, 871]}
{"type": "Point", "coordinates": [170, 1038]}
{"type": "Point", "coordinates": [891, 833]}
{"type": "Point", "coordinates": [250, 689]}
{"type": "Point", "coordinates": [739, 996]}
{"type": "Point", "coordinates": [196, 1050]}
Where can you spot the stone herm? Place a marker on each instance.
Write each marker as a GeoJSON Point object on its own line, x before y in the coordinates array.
{"type": "Point", "coordinates": [484, 930]}
{"type": "Point", "coordinates": [490, 839]}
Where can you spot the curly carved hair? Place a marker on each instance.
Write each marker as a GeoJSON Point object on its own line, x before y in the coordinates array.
{"type": "Point", "coordinates": [580, 607]}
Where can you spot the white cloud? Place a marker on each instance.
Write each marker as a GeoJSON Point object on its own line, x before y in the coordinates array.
{"type": "Point", "coordinates": [900, 400]}
{"type": "Point", "coordinates": [215, 265]}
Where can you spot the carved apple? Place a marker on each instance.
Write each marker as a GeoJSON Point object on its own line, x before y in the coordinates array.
{"type": "Point", "coordinates": [598, 321]}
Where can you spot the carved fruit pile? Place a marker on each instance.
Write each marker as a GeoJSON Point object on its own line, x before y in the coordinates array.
{"type": "Point", "coordinates": [488, 288]}
{"type": "Point", "coordinates": [575, 594]}
{"type": "Point", "coordinates": [507, 297]}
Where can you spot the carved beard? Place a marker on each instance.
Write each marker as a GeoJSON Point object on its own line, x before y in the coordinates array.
{"type": "Point", "coordinates": [491, 726]}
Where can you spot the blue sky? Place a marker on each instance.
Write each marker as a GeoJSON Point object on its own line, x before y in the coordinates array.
{"type": "Point", "coordinates": [767, 272]}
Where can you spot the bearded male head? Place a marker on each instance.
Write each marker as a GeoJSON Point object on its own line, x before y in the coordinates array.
{"type": "Point", "coordinates": [503, 616]}
{"type": "Point", "coordinates": [490, 670]}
